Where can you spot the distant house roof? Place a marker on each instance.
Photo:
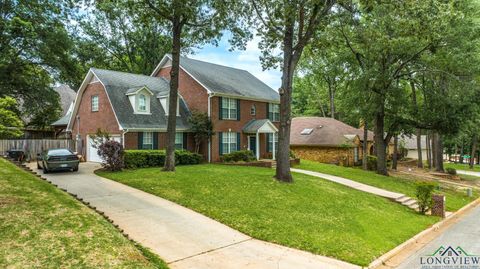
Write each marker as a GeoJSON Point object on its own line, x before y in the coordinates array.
{"type": "Point", "coordinates": [63, 121]}
{"type": "Point", "coordinates": [321, 131]}
{"type": "Point", "coordinates": [410, 141]}
{"type": "Point", "coordinates": [67, 97]}
{"type": "Point", "coordinates": [225, 81]}
{"type": "Point", "coordinates": [118, 84]}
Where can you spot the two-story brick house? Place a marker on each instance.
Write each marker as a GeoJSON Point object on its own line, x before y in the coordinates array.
{"type": "Point", "coordinates": [132, 108]}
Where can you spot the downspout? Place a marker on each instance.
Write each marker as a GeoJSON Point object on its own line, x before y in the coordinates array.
{"type": "Point", "coordinates": [209, 116]}
{"type": "Point", "coordinates": [123, 138]}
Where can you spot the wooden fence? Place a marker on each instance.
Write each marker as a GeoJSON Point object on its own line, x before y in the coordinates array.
{"type": "Point", "coordinates": [33, 146]}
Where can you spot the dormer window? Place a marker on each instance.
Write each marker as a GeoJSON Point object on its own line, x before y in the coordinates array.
{"type": "Point", "coordinates": [164, 101]}
{"type": "Point", "coordinates": [142, 103]}
{"type": "Point", "coordinates": [140, 99]}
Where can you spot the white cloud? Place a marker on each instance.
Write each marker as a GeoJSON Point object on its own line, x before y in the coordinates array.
{"type": "Point", "coordinates": [246, 59]}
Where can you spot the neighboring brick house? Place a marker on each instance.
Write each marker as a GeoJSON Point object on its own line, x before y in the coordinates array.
{"type": "Point", "coordinates": [327, 140]}
{"type": "Point", "coordinates": [131, 107]}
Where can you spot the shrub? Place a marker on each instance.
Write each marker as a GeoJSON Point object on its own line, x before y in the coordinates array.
{"type": "Point", "coordinates": [451, 171]}
{"type": "Point", "coordinates": [112, 154]}
{"type": "Point", "coordinates": [424, 196]}
{"type": "Point", "coordinates": [237, 156]}
{"type": "Point", "coordinates": [371, 163]}
{"type": "Point", "coordinates": [156, 158]}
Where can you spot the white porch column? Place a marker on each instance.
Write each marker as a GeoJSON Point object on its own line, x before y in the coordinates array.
{"type": "Point", "coordinates": [273, 146]}
{"type": "Point", "coordinates": [258, 146]}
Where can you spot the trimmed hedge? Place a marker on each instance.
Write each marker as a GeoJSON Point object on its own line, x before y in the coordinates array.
{"type": "Point", "coordinates": [238, 156]}
{"type": "Point", "coordinates": [156, 158]}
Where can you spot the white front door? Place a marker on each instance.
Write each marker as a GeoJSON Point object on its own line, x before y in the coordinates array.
{"type": "Point", "coordinates": [92, 155]}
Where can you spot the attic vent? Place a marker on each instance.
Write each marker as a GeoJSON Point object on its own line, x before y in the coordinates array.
{"type": "Point", "coordinates": [306, 131]}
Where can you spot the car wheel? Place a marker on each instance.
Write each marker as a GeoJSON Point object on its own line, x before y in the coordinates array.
{"type": "Point", "coordinates": [75, 169]}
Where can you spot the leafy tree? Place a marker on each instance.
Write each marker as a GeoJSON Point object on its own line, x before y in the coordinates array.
{"type": "Point", "coordinates": [191, 22]}
{"type": "Point", "coordinates": [201, 127]}
{"type": "Point", "coordinates": [289, 25]}
{"type": "Point", "coordinates": [34, 50]}
{"type": "Point", "coordinates": [10, 124]}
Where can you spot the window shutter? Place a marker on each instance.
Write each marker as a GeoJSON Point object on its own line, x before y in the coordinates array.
{"type": "Point", "coordinates": [238, 109]}
{"type": "Point", "coordinates": [155, 140]}
{"type": "Point", "coordinates": [238, 141]}
{"type": "Point", "coordinates": [220, 144]}
{"type": "Point", "coordinates": [220, 108]}
{"type": "Point", "coordinates": [140, 140]}
{"type": "Point", "coordinates": [185, 141]}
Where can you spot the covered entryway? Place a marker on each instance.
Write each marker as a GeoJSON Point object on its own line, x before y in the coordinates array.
{"type": "Point", "coordinates": [256, 127]}
{"type": "Point", "coordinates": [92, 155]}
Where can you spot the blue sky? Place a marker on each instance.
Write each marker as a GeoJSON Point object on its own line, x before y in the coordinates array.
{"type": "Point", "coordinates": [247, 60]}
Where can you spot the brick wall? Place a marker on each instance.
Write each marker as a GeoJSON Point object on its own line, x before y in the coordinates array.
{"type": "Point", "coordinates": [90, 121]}
{"type": "Point", "coordinates": [331, 155]}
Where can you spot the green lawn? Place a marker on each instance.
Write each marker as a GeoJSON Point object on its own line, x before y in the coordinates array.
{"type": "Point", "coordinates": [464, 166]}
{"type": "Point", "coordinates": [43, 227]}
{"type": "Point", "coordinates": [455, 200]}
{"type": "Point", "coordinates": [311, 214]}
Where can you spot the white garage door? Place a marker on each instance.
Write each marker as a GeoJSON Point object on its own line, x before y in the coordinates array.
{"type": "Point", "coordinates": [92, 155]}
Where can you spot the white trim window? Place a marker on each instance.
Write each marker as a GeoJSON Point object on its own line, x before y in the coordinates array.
{"type": "Point", "coordinates": [178, 140]}
{"type": "Point", "coordinates": [229, 108]}
{"type": "Point", "coordinates": [355, 154]}
{"type": "Point", "coordinates": [142, 103]}
{"type": "Point", "coordinates": [253, 110]}
{"type": "Point", "coordinates": [274, 112]}
{"type": "Point", "coordinates": [269, 141]}
{"type": "Point", "coordinates": [94, 102]}
{"type": "Point", "coordinates": [229, 142]}
{"type": "Point", "coordinates": [147, 142]}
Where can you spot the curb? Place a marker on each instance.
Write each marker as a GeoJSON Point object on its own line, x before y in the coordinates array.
{"type": "Point", "coordinates": [382, 260]}
{"type": "Point", "coordinates": [101, 213]}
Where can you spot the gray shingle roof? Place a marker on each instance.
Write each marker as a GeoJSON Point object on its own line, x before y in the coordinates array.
{"type": "Point", "coordinates": [229, 81]}
{"type": "Point", "coordinates": [63, 120]}
{"type": "Point", "coordinates": [67, 97]}
{"type": "Point", "coordinates": [117, 84]}
{"type": "Point", "coordinates": [253, 125]}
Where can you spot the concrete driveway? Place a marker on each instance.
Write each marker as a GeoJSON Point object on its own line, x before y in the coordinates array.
{"type": "Point", "coordinates": [182, 237]}
{"type": "Point", "coordinates": [464, 234]}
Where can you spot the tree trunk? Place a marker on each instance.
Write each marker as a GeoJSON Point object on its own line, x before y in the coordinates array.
{"type": "Point", "coordinates": [429, 156]}
{"type": "Point", "coordinates": [473, 150]}
{"type": "Point", "coordinates": [460, 158]}
{"type": "Point", "coordinates": [433, 139]}
{"type": "Point", "coordinates": [419, 149]}
{"type": "Point", "coordinates": [331, 94]}
{"type": "Point", "coordinates": [439, 153]}
{"type": "Point", "coordinates": [173, 96]}
{"type": "Point", "coordinates": [380, 147]}
{"type": "Point", "coordinates": [395, 152]}
{"type": "Point", "coordinates": [365, 147]}
{"type": "Point", "coordinates": [419, 132]}
{"type": "Point", "coordinates": [283, 156]}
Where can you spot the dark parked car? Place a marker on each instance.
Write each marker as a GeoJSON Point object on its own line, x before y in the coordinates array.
{"type": "Point", "coordinates": [57, 159]}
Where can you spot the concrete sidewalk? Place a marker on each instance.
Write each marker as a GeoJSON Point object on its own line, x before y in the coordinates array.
{"type": "Point", "coordinates": [352, 184]}
{"type": "Point", "coordinates": [182, 237]}
{"type": "Point", "coordinates": [470, 173]}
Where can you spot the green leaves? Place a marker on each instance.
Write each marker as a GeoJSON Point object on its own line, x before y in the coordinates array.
{"type": "Point", "coordinates": [10, 124]}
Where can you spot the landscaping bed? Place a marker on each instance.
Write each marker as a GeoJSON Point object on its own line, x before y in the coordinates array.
{"type": "Point", "coordinates": [455, 199]}
{"type": "Point", "coordinates": [311, 214]}
{"type": "Point", "coordinates": [43, 227]}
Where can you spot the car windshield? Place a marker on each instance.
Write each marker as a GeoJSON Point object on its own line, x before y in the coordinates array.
{"type": "Point", "coordinates": [59, 152]}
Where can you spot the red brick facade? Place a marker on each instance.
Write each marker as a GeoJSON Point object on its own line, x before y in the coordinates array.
{"type": "Point", "coordinates": [196, 97]}
{"type": "Point", "coordinates": [90, 120]}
